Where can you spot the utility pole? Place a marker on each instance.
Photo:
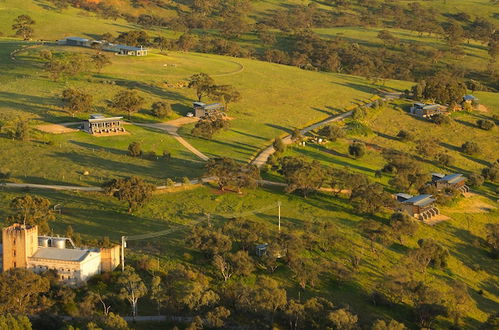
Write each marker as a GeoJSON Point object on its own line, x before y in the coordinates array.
{"type": "Point", "coordinates": [123, 242]}
{"type": "Point", "coordinates": [279, 214]}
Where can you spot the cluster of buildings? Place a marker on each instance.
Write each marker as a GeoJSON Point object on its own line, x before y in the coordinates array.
{"type": "Point", "coordinates": [423, 207]}
{"type": "Point", "coordinates": [22, 247]}
{"type": "Point", "coordinates": [104, 45]}
{"type": "Point", "coordinates": [428, 110]}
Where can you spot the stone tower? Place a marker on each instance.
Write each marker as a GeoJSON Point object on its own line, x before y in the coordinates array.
{"type": "Point", "coordinates": [19, 243]}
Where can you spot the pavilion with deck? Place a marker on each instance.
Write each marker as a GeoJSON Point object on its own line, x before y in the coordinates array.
{"type": "Point", "coordinates": [421, 207]}
{"type": "Point", "coordinates": [455, 181]}
{"type": "Point", "coordinates": [98, 124]}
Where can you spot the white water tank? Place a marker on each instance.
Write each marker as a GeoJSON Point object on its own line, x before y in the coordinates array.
{"type": "Point", "coordinates": [59, 243]}
{"type": "Point", "coordinates": [43, 241]}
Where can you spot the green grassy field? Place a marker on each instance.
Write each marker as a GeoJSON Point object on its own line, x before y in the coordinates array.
{"type": "Point", "coordinates": [275, 99]}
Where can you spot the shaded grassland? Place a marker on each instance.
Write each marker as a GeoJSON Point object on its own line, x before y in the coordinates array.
{"type": "Point", "coordinates": [95, 215]}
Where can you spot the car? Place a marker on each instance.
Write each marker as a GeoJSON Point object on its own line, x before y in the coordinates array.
{"type": "Point", "coordinates": [190, 114]}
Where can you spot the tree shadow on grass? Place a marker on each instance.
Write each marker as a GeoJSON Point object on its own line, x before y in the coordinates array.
{"type": "Point", "coordinates": [36, 105]}
{"type": "Point", "coordinates": [151, 89]}
{"type": "Point", "coordinates": [318, 154]}
{"type": "Point", "coordinates": [465, 123]}
{"type": "Point", "coordinates": [470, 255]}
{"type": "Point", "coordinates": [279, 127]}
{"type": "Point", "coordinates": [155, 169]}
{"type": "Point", "coordinates": [95, 147]}
{"type": "Point", "coordinates": [386, 136]}
{"type": "Point", "coordinates": [249, 135]}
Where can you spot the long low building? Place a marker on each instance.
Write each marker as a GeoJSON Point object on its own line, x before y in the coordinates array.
{"type": "Point", "coordinates": [23, 248]}
{"type": "Point", "coordinates": [104, 45]}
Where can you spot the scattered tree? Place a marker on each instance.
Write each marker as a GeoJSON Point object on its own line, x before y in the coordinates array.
{"type": "Point", "coordinates": [357, 149]}
{"type": "Point", "coordinates": [132, 288]}
{"type": "Point", "coordinates": [135, 191]}
{"type": "Point", "coordinates": [23, 25]}
{"type": "Point", "coordinates": [135, 149]}
{"type": "Point", "coordinates": [76, 101]}
{"type": "Point", "coordinates": [470, 148]}
{"type": "Point", "coordinates": [128, 100]}
{"type": "Point", "coordinates": [100, 61]}
{"type": "Point", "coordinates": [31, 210]}
{"type": "Point", "coordinates": [202, 82]}
{"type": "Point", "coordinates": [370, 198]}
{"type": "Point", "coordinates": [161, 109]}
{"type": "Point", "coordinates": [229, 173]}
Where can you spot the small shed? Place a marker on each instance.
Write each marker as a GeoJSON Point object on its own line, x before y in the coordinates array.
{"type": "Point", "coordinates": [261, 249]}
{"type": "Point", "coordinates": [426, 110]}
{"type": "Point", "coordinates": [74, 41]}
{"type": "Point", "coordinates": [469, 98]}
{"type": "Point", "coordinates": [202, 109]}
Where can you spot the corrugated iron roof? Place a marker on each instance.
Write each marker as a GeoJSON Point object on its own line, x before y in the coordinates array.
{"type": "Point", "coordinates": [75, 255]}
{"type": "Point", "coordinates": [91, 120]}
{"type": "Point", "coordinates": [421, 200]}
{"type": "Point", "coordinates": [77, 39]}
{"type": "Point", "coordinates": [453, 178]}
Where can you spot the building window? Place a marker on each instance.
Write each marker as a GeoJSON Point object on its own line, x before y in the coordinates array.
{"type": "Point", "coordinates": [15, 264]}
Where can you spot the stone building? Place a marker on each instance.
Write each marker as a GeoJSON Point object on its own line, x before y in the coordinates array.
{"type": "Point", "coordinates": [23, 248]}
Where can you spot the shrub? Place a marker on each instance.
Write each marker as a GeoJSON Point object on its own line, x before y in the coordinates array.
{"type": "Point", "coordinates": [470, 148]}
{"type": "Point", "coordinates": [186, 181]}
{"type": "Point", "coordinates": [331, 132]}
{"type": "Point", "coordinates": [170, 182]}
{"type": "Point", "coordinates": [357, 149]}
{"type": "Point", "coordinates": [134, 149]}
{"type": "Point", "coordinates": [279, 145]}
{"type": "Point", "coordinates": [475, 180]}
{"type": "Point", "coordinates": [359, 113]}
{"type": "Point", "coordinates": [167, 155]}
{"type": "Point", "coordinates": [389, 168]}
{"type": "Point", "coordinates": [491, 173]}
{"type": "Point", "coordinates": [485, 124]}
{"type": "Point", "coordinates": [151, 155]}
{"type": "Point", "coordinates": [445, 159]}
{"type": "Point", "coordinates": [441, 119]}
{"type": "Point", "coordinates": [405, 136]}
{"type": "Point", "coordinates": [4, 173]}
{"type": "Point", "coordinates": [161, 109]}
{"type": "Point", "coordinates": [357, 128]}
